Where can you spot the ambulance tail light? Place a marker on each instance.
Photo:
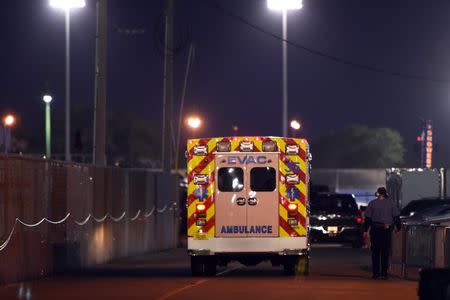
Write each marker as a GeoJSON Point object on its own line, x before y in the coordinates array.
{"type": "Point", "coordinates": [201, 207]}
{"type": "Point", "coordinates": [269, 146]}
{"type": "Point", "coordinates": [292, 210]}
{"type": "Point", "coordinates": [292, 149]}
{"type": "Point", "coordinates": [292, 207]}
{"type": "Point", "coordinates": [223, 147]}
{"type": "Point", "coordinates": [201, 150]}
{"type": "Point", "coordinates": [292, 179]}
{"type": "Point", "coordinates": [246, 146]}
{"type": "Point", "coordinates": [201, 211]}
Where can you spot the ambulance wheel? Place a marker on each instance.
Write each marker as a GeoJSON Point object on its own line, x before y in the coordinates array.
{"type": "Point", "coordinates": [302, 267]}
{"type": "Point", "coordinates": [197, 266]}
{"type": "Point", "coordinates": [297, 266]}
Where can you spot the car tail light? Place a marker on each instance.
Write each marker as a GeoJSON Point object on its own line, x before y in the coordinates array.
{"type": "Point", "coordinates": [246, 146]}
{"type": "Point", "coordinates": [292, 222]}
{"type": "Point", "coordinates": [201, 222]}
{"type": "Point", "coordinates": [201, 179]}
{"type": "Point", "coordinates": [359, 219]}
{"type": "Point", "coordinates": [201, 150]}
{"type": "Point", "coordinates": [223, 147]}
{"type": "Point", "coordinates": [292, 179]}
{"type": "Point", "coordinates": [292, 149]}
{"type": "Point", "coordinates": [269, 146]}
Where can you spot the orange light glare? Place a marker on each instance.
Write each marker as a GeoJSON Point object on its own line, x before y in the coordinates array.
{"type": "Point", "coordinates": [9, 120]}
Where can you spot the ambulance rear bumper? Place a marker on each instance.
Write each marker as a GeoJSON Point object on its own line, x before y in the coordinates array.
{"type": "Point", "coordinates": [280, 246]}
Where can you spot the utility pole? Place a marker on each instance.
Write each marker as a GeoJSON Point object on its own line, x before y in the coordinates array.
{"type": "Point", "coordinates": [167, 153]}
{"type": "Point", "coordinates": [99, 151]}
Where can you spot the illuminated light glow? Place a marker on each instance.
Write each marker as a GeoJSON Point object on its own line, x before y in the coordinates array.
{"type": "Point", "coordinates": [292, 207]}
{"type": "Point", "coordinates": [295, 125]}
{"type": "Point", "coordinates": [9, 120]}
{"type": "Point", "coordinates": [47, 98]}
{"type": "Point", "coordinates": [67, 4]}
{"type": "Point", "coordinates": [201, 207]}
{"type": "Point", "coordinates": [284, 4]}
{"type": "Point", "coordinates": [419, 139]}
{"type": "Point", "coordinates": [194, 122]}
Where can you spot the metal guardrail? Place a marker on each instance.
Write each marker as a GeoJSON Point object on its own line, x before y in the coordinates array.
{"type": "Point", "coordinates": [421, 246]}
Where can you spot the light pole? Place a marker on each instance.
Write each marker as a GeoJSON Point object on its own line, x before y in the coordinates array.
{"type": "Point", "coordinates": [295, 126]}
{"type": "Point", "coordinates": [67, 5]}
{"type": "Point", "coordinates": [48, 126]}
{"type": "Point", "coordinates": [284, 6]}
{"type": "Point", "coordinates": [8, 122]}
{"type": "Point", "coordinates": [194, 123]}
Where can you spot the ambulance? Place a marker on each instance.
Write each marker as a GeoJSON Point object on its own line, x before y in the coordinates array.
{"type": "Point", "coordinates": [248, 202]}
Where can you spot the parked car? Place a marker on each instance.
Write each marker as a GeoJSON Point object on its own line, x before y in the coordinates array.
{"type": "Point", "coordinates": [419, 205]}
{"type": "Point", "coordinates": [336, 218]}
{"type": "Point", "coordinates": [432, 215]}
{"type": "Point", "coordinates": [425, 211]}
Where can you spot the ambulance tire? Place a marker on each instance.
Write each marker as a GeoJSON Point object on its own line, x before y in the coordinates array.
{"type": "Point", "coordinates": [197, 266]}
{"type": "Point", "coordinates": [302, 267]}
{"type": "Point", "coordinates": [296, 265]}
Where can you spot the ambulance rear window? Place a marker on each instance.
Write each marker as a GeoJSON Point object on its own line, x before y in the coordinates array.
{"type": "Point", "coordinates": [263, 179]}
{"type": "Point", "coordinates": [230, 179]}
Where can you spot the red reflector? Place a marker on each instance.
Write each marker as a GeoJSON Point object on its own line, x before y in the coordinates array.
{"type": "Point", "coordinates": [359, 219]}
{"type": "Point", "coordinates": [292, 207]}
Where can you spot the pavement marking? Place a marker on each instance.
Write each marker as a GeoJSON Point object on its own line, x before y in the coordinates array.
{"type": "Point", "coordinates": [191, 285]}
{"type": "Point", "coordinates": [181, 289]}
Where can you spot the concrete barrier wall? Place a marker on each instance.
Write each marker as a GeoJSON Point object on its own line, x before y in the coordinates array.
{"type": "Point", "coordinates": [93, 215]}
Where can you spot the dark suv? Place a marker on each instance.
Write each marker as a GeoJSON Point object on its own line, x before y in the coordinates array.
{"type": "Point", "coordinates": [335, 217]}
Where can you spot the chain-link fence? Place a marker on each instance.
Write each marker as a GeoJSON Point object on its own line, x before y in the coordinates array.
{"type": "Point", "coordinates": [55, 216]}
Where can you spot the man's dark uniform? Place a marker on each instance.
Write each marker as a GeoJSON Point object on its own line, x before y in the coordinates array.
{"type": "Point", "coordinates": [381, 217]}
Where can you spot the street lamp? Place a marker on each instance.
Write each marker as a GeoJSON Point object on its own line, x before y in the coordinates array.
{"type": "Point", "coordinates": [8, 123]}
{"type": "Point", "coordinates": [48, 126]}
{"type": "Point", "coordinates": [295, 126]}
{"type": "Point", "coordinates": [9, 120]}
{"type": "Point", "coordinates": [194, 122]}
{"type": "Point", "coordinates": [67, 5]}
{"type": "Point", "coordinates": [284, 6]}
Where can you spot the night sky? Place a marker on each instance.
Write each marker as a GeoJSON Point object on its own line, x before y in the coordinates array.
{"type": "Point", "coordinates": [236, 76]}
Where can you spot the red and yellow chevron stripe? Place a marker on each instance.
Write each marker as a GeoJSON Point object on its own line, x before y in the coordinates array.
{"type": "Point", "coordinates": [288, 193]}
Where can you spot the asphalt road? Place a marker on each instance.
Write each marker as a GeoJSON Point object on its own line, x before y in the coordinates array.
{"type": "Point", "coordinates": [337, 272]}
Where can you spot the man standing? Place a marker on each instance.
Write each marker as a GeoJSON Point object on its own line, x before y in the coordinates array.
{"type": "Point", "coordinates": [381, 216]}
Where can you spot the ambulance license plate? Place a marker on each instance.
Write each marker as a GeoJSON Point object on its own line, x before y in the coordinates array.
{"type": "Point", "coordinates": [200, 236]}
{"type": "Point", "coordinates": [332, 230]}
